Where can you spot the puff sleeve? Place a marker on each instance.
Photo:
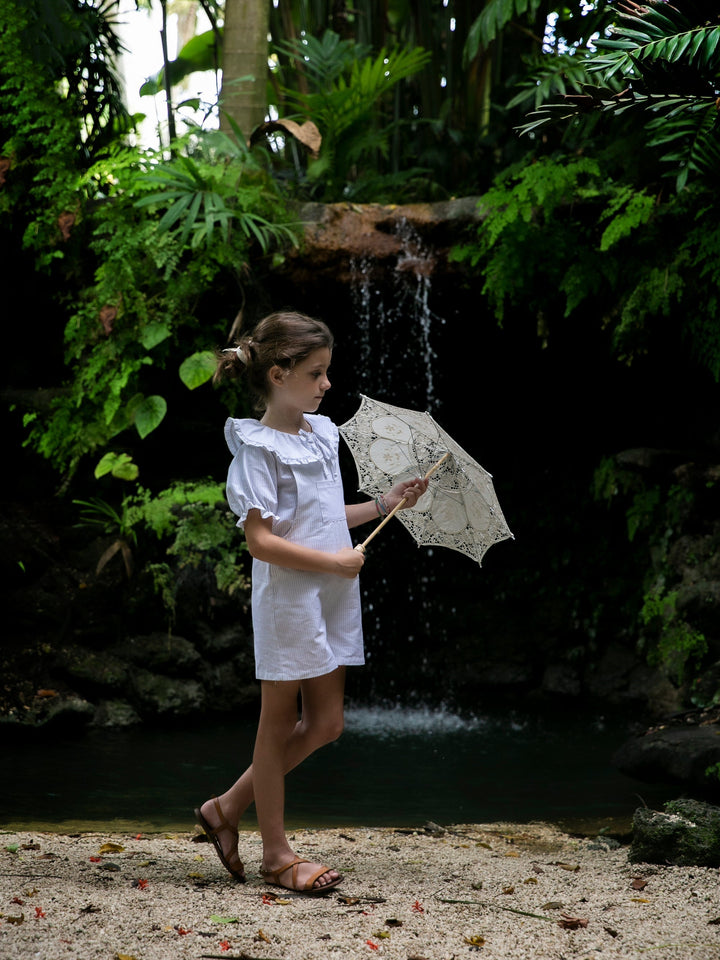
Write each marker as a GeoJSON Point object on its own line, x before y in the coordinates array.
{"type": "Point", "coordinates": [252, 483]}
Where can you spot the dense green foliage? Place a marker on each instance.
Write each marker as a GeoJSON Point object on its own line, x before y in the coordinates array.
{"type": "Point", "coordinates": [599, 210]}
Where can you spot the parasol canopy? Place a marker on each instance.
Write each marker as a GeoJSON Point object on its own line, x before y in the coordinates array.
{"type": "Point", "coordinates": [459, 510]}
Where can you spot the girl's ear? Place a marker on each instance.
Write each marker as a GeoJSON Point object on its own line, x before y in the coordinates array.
{"type": "Point", "coordinates": [276, 375]}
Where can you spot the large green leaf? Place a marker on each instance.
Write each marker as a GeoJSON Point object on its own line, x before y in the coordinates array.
{"type": "Point", "coordinates": [200, 53]}
{"type": "Point", "coordinates": [149, 414]}
{"type": "Point", "coordinates": [197, 369]}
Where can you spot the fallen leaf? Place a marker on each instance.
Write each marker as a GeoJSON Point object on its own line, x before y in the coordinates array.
{"type": "Point", "coordinates": [95, 859]}
{"type": "Point", "coordinates": [31, 846]}
{"type": "Point", "coordinates": [90, 908]}
{"type": "Point", "coordinates": [261, 935]}
{"type": "Point", "coordinates": [18, 901]}
{"type": "Point", "coordinates": [140, 884]}
{"type": "Point", "coordinates": [16, 920]}
{"type": "Point", "coordinates": [382, 935]}
{"type": "Point", "coordinates": [39, 913]}
{"type": "Point", "coordinates": [124, 956]}
{"type": "Point", "coordinates": [349, 901]}
{"type": "Point", "coordinates": [392, 922]}
{"type": "Point", "coordinates": [508, 890]}
{"type": "Point", "coordinates": [182, 931]}
{"type": "Point", "coordinates": [571, 923]}
{"type": "Point", "coordinates": [417, 907]}
{"type": "Point", "coordinates": [216, 919]}
{"type": "Point", "coordinates": [531, 880]}
{"type": "Point", "coordinates": [475, 941]}
{"type": "Point", "coordinates": [552, 905]}
{"type": "Point", "coordinates": [638, 900]}
{"type": "Point", "coordinates": [571, 867]}
{"type": "Point", "coordinates": [638, 883]}
{"type": "Point", "coordinates": [373, 946]}
{"type": "Point", "coordinates": [613, 933]}
{"type": "Point", "coordinates": [111, 848]}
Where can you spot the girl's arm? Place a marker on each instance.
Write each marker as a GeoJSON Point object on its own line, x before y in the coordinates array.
{"type": "Point", "coordinates": [358, 513]}
{"type": "Point", "coordinates": [268, 546]}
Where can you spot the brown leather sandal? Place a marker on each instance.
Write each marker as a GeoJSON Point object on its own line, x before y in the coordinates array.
{"type": "Point", "coordinates": [273, 877]}
{"type": "Point", "coordinates": [232, 863]}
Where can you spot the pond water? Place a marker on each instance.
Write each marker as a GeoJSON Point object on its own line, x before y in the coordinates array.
{"type": "Point", "coordinates": [392, 767]}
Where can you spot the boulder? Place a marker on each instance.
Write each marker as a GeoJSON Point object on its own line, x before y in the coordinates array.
{"type": "Point", "coordinates": [686, 834]}
{"type": "Point", "coordinates": [161, 696]}
{"type": "Point", "coordinates": [160, 652]}
{"type": "Point", "coordinates": [672, 753]}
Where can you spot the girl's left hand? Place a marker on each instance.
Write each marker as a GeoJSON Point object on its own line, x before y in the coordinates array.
{"type": "Point", "coordinates": [412, 490]}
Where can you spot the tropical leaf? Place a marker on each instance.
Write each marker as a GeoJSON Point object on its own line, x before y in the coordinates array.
{"type": "Point", "coordinates": [495, 16]}
{"type": "Point", "coordinates": [197, 369]}
{"type": "Point", "coordinates": [149, 414]}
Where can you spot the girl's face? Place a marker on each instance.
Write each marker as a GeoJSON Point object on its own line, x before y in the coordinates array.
{"type": "Point", "coordinates": [305, 385]}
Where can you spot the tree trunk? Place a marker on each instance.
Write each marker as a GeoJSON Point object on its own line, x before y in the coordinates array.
{"type": "Point", "coordinates": [245, 55]}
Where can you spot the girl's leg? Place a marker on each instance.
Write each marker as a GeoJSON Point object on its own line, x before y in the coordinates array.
{"type": "Point", "coordinates": [321, 722]}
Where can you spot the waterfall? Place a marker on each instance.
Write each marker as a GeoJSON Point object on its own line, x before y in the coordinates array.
{"type": "Point", "coordinates": [395, 324]}
{"type": "Point", "coordinates": [396, 361]}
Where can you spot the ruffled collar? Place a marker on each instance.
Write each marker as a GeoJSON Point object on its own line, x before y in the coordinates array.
{"type": "Point", "coordinates": [304, 447]}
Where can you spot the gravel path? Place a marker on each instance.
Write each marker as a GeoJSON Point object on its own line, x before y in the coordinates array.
{"type": "Point", "coordinates": [492, 890]}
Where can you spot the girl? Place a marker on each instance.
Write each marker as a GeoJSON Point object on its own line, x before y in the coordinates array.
{"type": "Point", "coordinates": [284, 485]}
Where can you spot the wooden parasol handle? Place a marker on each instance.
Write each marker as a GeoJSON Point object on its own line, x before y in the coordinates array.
{"type": "Point", "coordinates": [361, 546]}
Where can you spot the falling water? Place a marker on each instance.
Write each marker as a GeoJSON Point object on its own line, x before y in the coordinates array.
{"type": "Point", "coordinates": [396, 324]}
{"type": "Point", "coordinates": [395, 329]}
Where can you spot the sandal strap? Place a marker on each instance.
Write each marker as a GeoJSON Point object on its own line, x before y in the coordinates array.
{"type": "Point", "coordinates": [275, 874]}
{"type": "Point", "coordinates": [316, 876]}
{"type": "Point", "coordinates": [309, 885]}
{"type": "Point", "coordinates": [224, 822]}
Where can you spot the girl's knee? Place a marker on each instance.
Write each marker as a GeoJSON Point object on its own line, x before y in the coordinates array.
{"type": "Point", "coordinates": [334, 729]}
{"type": "Point", "coordinates": [326, 730]}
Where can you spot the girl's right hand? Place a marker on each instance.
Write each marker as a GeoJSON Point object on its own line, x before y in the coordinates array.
{"type": "Point", "coordinates": [349, 562]}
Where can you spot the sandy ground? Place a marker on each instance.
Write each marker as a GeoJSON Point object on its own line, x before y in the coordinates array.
{"type": "Point", "coordinates": [494, 890]}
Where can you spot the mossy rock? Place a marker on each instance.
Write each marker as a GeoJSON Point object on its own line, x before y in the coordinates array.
{"type": "Point", "coordinates": [686, 834]}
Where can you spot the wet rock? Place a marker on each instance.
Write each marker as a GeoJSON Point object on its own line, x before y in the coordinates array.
{"type": "Point", "coordinates": [92, 671]}
{"type": "Point", "coordinates": [618, 677]}
{"type": "Point", "coordinates": [162, 696]}
{"type": "Point", "coordinates": [59, 712]}
{"type": "Point", "coordinates": [115, 713]}
{"type": "Point", "coordinates": [672, 753]}
{"type": "Point", "coordinates": [161, 653]}
{"type": "Point", "coordinates": [561, 678]}
{"type": "Point", "coordinates": [338, 235]}
{"type": "Point", "coordinates": [687, 833]}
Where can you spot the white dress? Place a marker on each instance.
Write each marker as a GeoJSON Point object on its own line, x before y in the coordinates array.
{"type": "Point", "coordinates": [304, 624]}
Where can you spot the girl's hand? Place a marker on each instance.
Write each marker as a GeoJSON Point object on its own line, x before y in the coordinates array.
{"type": "Point", "coordinates": [349, 562]}
{"type": "Point", "coordinates": [412, 490]}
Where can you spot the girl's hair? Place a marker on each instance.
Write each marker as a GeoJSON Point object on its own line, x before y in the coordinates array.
{"type": "Point", "coordinates": [280, 339]}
